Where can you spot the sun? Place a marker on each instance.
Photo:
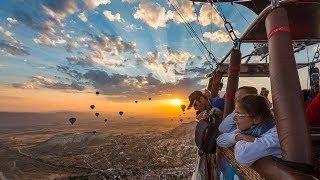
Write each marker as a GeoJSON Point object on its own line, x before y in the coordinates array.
{"type": "Point", "coordinates": [176, 102]}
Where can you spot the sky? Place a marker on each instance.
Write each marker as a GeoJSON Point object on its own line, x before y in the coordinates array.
{"type": "Point", "coordinates": [54, 55]}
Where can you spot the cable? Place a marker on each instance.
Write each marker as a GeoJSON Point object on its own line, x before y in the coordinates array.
{"type": "Point", "coordinates": [193, 32]}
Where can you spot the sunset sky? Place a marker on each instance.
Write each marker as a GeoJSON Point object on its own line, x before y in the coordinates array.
{"type": "Point", "coordinates": [54, 55]}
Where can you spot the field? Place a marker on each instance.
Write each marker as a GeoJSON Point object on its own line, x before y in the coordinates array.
{"type": "Point", "coordinates": [47, 146]}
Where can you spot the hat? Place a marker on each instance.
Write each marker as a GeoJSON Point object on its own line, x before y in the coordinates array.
{"type": "Point", "coordinates": [195, 95]}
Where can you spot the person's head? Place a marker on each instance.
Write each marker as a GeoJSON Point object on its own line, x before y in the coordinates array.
{"type": "Point", "coordinates": [244, 91]}
{"type": "Point", "coordinates": [251, 110]}
{"type": "Point", "coordinates": [199, 101]}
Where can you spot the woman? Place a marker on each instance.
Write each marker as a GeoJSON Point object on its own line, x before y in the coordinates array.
{"type": "Point", "coordinates": [256, 134]}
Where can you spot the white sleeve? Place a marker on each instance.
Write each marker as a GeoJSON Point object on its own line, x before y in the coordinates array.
{"type": "Point", "coordinates": [227, 139]}
{"type": "Point", "coordinates": [227, 125]}
{"type": "Point", "coordinates": [246, 153]}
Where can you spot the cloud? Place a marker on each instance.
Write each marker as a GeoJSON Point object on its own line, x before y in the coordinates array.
{"type": "Point", "coordinates": [132, 27]}
{"type": "Point", "coordinates": [43, 82]}
{"type": "Point", "coordinates": [8, 48]}
{"type": "Point", "coordinates": [5, 32]}
{"type": "Point", "coordinates": [186, 9]}
{"type": "Point", "coordinates": [114, 45]}
{"type": "Point", "coordinates": [134, 1]}
{"type": "Point", "coordinates": [11, 21]}
{"type": "Point", "coordinates": [92, 4]}
{"type": "Point", "coordinates": [217, 36]}
{"type": "Point", "coordinates": [71, 46]}
{"type": "Point", "coordinates": [45, 40]}
{"type": "Point", "coordinates": [60, 9]}
{"type": "Point", "coordinates": [124, 87]}
{"type": "Point", "coordinates": [23, 85]}
{"type": "Point", "coordinates": [116, 17]}
{"type": "Point", "coordinates": [152, 14]}
{"type": "Point", "coordinates": [200, 71]}
{"type": "Point", "coordinates": [83, 17]}
{"type": "Point", "coordinates": [177, 56]}
{"type": "Point", "coordinates": [208, 16]}
{"type": "Point", "coordinates": [70, 72]}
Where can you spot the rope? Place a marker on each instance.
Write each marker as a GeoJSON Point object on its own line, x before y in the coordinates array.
{"type": "Point", "coordinates": [187, 25]}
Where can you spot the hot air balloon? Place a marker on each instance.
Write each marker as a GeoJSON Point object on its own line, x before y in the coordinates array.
{"type": "Point", "coordinates": [136, 101]}
{"type": "Point", "coordinates": [94, 132]}
{"type": "Point", "coordinates": [92, 106]}
{"type": "Point", "coordinates": [72, 120]}
{"type": "Point", "coordinates": [97, 93]}
{"type": "Point", "coordinates": [183, 107]}
{"type": "Point", "coordinates": [105, 120]}
{"type": "Point", "coordinates": [181, 120]}
{"type": "Point", "coordinates": [120, 113]}
{"type": "Point", "coordinates": [149, 99]}
{"type": "Point", "coordinates": [97, 114]}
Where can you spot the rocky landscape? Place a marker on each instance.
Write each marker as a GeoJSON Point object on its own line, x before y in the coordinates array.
{"type": "Point", "coordinates": [151, 154]}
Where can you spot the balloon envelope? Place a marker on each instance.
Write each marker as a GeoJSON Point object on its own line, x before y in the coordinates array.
{"type": "Point", "coordinates": [97, 114]}
{"type": "Point", "coordinates": [92, 106]}
{"type": "Point", "coordinates": [72, 120]}
{"type": "Point", "coordinates": [97, 93]}
{"type": "Point", "coordinates": [149, 98]}
{"type": "Point", "coordinates": [136, 101]}
{"type": "Point", "coordinates": [120, 113]}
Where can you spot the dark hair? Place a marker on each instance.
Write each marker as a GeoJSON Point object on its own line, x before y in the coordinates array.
{"type": "Point", "coordinates": [256, 105]}
{"type": "Point", "coordinates": [249, 89]}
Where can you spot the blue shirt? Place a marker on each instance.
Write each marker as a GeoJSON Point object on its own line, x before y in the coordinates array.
{"type": "Point", "coordinates": [217, 102]}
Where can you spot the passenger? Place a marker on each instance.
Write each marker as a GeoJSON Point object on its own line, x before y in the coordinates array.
{"type": "Point", "coordinates": [313, 112]}
{"type": "Point", "coordinates": [228, 124]}
{"type": "Point", "coordinates": [256, 134]}
{"type": "Point", "coordinates": [201, 102]}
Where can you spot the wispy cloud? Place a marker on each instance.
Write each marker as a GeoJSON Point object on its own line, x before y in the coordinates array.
{"type": "Point", "coordinates": [153, 14]}
{"type": "Point", "coordinates": [43, 82]}
{"type": "Point", "coordinates": [113, 17]}
{"type": "Point", "coordinates": [12, 49]}
{"type": "Point", "coordinates": [92, 4]}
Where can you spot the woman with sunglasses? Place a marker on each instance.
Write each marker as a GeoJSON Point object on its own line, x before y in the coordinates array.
{"type": "Point", "coordinates": [256, 134]}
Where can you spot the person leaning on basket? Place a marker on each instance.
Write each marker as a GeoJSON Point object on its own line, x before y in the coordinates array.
{"type": "Point", "coordinates": [256, 134]}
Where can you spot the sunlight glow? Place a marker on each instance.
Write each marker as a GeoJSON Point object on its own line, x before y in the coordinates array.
{"type": "Point", "coordinates": [176, 102]}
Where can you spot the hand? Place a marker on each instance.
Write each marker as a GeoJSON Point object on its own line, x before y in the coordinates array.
{"type": "Point", "coordinates": [203, 115]}
{"type": "Point", "coordinates": [242, 137]}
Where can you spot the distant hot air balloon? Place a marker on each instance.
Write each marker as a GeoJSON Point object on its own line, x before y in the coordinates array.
{"type": "Point", "coordinates": [105, 120]}
{"type": "Point", "coordinates": [136, 101]}
{"type": "Point", "coordinates": [97, 93]}
{"type": "Point", "coordinates": [149, 99]}
{"type": "Point", "coordinates": [97, 114]}
{"type": "Point", "coordinates": [181, 120]}
{"type": "Point", "coordinates": [72, 120]}
{"type": "Point", "coordinates": [120, 113]}
{"type": "Point", "coordinates": [94, 132]}
{"type": "Point", "coordinates": [92, 106]}
{"type": "Point", "coordinates": [183, 107]}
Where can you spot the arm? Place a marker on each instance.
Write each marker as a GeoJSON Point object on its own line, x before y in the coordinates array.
{"type": "Point", "coordinates": [227, 125]}
{"type": "Point", "coordinates": [227, 139]}
{"type": "Point", "coordinates": [246, 153]}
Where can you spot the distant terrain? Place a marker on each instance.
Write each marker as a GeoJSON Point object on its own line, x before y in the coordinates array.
{"type": "Point", "coordinates": [47, 146]}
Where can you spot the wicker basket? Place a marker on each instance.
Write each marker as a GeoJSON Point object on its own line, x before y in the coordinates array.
{"type": "Point", "coordinates": [245, 171]}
